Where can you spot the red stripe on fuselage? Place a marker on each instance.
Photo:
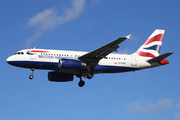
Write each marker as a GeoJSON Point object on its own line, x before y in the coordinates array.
{"type": "Point", "coordinates": [158, 37]}
{"type": "Point", "coordinates": [38, 51]}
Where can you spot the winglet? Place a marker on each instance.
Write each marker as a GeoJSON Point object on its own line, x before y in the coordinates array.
{"type": "Point", "coordinates": [128, 37]}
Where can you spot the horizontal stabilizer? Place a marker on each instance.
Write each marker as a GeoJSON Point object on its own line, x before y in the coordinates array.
{"type": "Point", "coordinates": [159, 58]}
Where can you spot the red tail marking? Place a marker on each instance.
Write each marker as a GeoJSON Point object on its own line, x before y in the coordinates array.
{"type": "Point", "coordinates": [145, 54]}
{"type": "Point", "coordinates": [158, 37]}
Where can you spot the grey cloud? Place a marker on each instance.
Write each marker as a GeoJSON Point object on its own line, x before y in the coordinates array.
{"type": "Point", "coordinates": [177, 106]}
{"type": "Point", "coordinates": [177, 116]}
{"type": "Point", "coordinates": [49, 19]}
{"type": "Point", "coordinates": [163, 104]}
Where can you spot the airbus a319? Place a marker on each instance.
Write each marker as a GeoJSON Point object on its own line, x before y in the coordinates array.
{"type": "Point", "coordinates": [67, 64]}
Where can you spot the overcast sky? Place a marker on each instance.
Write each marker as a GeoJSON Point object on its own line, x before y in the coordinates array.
{"type": "Point", "coordinates": [84, 25]}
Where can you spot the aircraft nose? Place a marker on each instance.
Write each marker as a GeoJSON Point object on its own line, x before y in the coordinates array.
{"type": "Point", "coordinates": [9, 59]}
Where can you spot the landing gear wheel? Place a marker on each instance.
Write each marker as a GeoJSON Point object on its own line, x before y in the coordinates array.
{"type": "Point", "coordinates": [89, 75]}
{"type": "Point", "coordinates": [31, 77]}
{"type": "Point", "coordinates": [32, 72]}
{"type": "Point", "coordinates": [81, 83]}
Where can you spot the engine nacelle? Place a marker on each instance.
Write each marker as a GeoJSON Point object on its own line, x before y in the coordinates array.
{"type": "Point", "coordinates": [59, 77]}
{"type": "Point", "coordinates": [70, 63]}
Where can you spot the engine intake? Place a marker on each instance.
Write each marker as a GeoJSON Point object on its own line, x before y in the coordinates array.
{"type": "Point", "coordinates": [59, 77]}
{"type": "Point", "coordinates": [70, 63]}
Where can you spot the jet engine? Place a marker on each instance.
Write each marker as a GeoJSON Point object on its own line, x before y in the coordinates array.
{"type": "Point", "coordinates": [59, 77]}
{"type": "Point", "coordinates": [71, 63]}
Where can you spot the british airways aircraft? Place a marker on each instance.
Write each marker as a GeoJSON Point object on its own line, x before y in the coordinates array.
{"type": "Point", "coordinates": [67, 64]}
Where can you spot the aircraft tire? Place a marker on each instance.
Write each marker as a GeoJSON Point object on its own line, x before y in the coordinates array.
{"type": "Point", "coordinates": [31, 77]}
{"type": "Point", "coordinates": [89, 75]}
{"type": "Point", "coordinates": [81, 83]}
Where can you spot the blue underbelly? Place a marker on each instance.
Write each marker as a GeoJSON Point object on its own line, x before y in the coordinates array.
{"type": "Point", "coordinates": [55, 66]}
{"type": "Point", "coordinates": [113, 69]}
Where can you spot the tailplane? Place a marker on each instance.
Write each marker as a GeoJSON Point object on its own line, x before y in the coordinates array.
{"type": "Point", "coordinates": [152, 45]}
{"type": "Point", "coordinates": [160, 59]}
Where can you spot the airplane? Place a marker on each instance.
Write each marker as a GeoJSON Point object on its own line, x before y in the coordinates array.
{"type": "Point", "coordinates": [67, 64]}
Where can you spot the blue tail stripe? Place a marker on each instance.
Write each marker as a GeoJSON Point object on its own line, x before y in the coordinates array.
{"type": "Point", "coordinates": [155, 47]}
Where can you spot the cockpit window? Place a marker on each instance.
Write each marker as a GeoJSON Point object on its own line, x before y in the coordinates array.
{"type": "Point", "coordinates": [19, 53]}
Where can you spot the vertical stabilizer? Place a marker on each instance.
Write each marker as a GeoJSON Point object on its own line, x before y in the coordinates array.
{"type": "Point", "coordinates": [152, 45]}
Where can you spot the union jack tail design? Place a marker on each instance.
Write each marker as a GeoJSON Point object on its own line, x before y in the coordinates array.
{"type": "Point", "coordinates": [152, 45]}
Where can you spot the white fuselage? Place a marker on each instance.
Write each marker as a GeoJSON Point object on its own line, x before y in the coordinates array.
{"type": "Point", "coordinates": [49, 59]}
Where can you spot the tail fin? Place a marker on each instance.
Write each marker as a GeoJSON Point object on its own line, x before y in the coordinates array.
{"type": "Point", "coordinates": [152, 45]}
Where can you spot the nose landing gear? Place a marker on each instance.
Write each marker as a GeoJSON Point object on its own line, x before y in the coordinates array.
{"type": "Point", "coordinates": [32, 72]}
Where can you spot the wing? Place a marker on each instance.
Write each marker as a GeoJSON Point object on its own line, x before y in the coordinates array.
{"type": "Point", "coordinates": [96, 55]}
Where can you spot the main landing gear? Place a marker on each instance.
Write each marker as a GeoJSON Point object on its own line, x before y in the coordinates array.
{"type": "Point", "coordinates": [81, 82]}
{"type": "Point", "coordinates": [32, 72]}
{"type": "Point", "coordinates": [87, 75]}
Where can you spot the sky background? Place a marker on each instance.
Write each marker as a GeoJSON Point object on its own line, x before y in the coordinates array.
{"type": "Point", "coordinates": [84, 25]}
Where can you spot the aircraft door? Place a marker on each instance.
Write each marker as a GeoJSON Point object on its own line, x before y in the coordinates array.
{"type": "Point", "coordinates": [33, 55]}
{"type": "Point", "coordinates": [133, 60]}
